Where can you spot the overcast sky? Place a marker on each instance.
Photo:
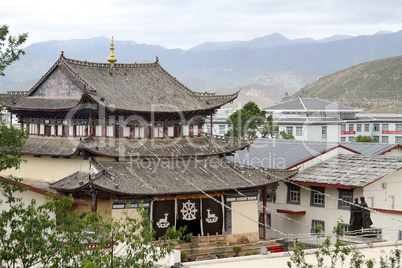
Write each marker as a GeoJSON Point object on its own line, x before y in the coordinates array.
{"type": "Point", "coordinates": [187, 23]}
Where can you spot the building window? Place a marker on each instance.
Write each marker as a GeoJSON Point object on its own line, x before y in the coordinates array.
{"type": "Point", "coordinates": [268, 220]}
{"type": "Point", "coordinates": [366, 127]}
{"type": "Point", "coordinates": [398, 127]}
{"type": "Point", "coordinates": [344, 226]}
{"type": "Point", "coordinates": [351, 127]}
{"type": "Point", "coordinates": [345, 196]}
{"type": "Point", "coordinates": [376, 127]}
{"type": "Point", "coordinates": [299, 131]}
{"type": "Point", "coordinates": [270, 193]}
{"type": "Point", "coordinates": [316, 223]}
{"type": "Point", "coordinates": [324, 133]}
{"type": "Point", "coordinates": [59, 130]}
{"type": "Point", "coordinates": [33, 128]}
{"type": "Point", "coordinates": [385, 127]}
{"type": "Point", "coordinates": [80, 130]}
{"type": "Point", "coordinates": [398, 139]}
{"type": "Point", "coordinates": [377, 138]}
{"type": "Point", "coordinates": [42, 129]}
{"type": "Point", "coordinates": [317, 196]}
{"type": "Point", "coordinates": [293, 194]}
{"type": "Point", "coordinates": [289, 130]}
{"type": "Point", "coordinates": [384, 139]}
{"type": "Point", "coordinates": [343, 127]}
{"type": "Point", "coordinates": [359, 127]}
{"type": "Point", "coordinates": [343, 139]}
{"type": "Point", "coordinates": [98, 131]}
{"type": "Point", "coordinates": [222, 129]}
{"type": "Point", "coordinates": [351, 139]}
{"type": "Point", "coordinates": [170, 131]}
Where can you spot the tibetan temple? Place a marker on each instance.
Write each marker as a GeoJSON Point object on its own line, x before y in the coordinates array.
{"type": "Point", "coordinates": [112, 134]}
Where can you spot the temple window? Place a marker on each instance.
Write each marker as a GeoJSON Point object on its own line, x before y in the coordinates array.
{"type": "Point", "coordinates": [170, 132]}
{"type": "Point", "coordinates": [195, 130]}
{"type": "Point", "coordinates": [59, 130]}
{"type": "Point", "coordinates": [186, 130]}
{"type": "Point", "coordinates": [71, 130]}
{"type": "Point", "coordinates": [126, 132]}
{"type": "Point", "coordinates": [110, 131]}
{"type": "Point", "coordinates": [52, 130]}
{"type": "Point", "coordinates": [80, 130]}
{"type": "Point", "coordinates": [33, 128]}
{"type": "Point", "coordinates": [98, 131]}
{"type": "Point", "coordinates": [141, 132]}
{"type": "Point", "coordinates": [42, 129]}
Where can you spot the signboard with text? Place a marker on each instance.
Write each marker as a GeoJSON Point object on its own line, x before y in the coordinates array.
{"type": "Point", "coordinates": [348, 132]}
{"type": "Point", "coordinates": [392, 132]}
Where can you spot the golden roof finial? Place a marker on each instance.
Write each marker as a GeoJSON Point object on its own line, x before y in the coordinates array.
{"type": "Point", "coordinates": [112, 59]}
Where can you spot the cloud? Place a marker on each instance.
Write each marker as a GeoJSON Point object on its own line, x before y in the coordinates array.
{"type": "Point", "coordinates": [184, 24]}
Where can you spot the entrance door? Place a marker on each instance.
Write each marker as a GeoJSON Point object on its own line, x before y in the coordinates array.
{"type": "Point", "coordinates": [193, 226]}
{"type": "Point", "coordinates": [261, 226]}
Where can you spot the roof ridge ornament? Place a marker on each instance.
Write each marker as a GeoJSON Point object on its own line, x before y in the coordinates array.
{"type": "Point", "coordinates": [112, 59]}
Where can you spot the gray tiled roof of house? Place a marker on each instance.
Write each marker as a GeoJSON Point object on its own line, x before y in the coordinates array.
{"type": "Point", "coordinates": [51, 146]}
{"type": "Point", "coordinates": [150, 148]}
{"type": "Point", "coordinates": [369, 147]}
{"type": "Point", "coordinates": [280, 154]}
{"type": "Point", "coordinates": [283, 154]}
{"type": "Point", "coordinates": [169, 177]}
{"type": "Point", "coordinates": [310, 104]}
{"type": "Point", "coordinates": [350, 170]}
{"type": "Point", "coordinates": [130, 87]}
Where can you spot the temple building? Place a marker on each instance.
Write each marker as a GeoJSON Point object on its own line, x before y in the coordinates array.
{"type": "Point", "coordinates": [114, 134]}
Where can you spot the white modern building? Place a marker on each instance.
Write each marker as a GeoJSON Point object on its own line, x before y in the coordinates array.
{"type": "Point", "coordinates": [319, 120]}
{"type": "Point", "coordinates": [220, 125]}
{"type": "Point", "coordinates": [330, 176]}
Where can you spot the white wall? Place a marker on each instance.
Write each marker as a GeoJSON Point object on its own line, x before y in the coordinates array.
{"type": "Point", "coordinates": [241, 224]}
{"type": "Point", "coordinates": [48, 168]}
{"type": "Point", "coordinates": [330, 214]}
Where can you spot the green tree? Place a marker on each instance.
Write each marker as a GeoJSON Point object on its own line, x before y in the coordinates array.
{"type": "Point", "coordinates": [9, 47]}
{"type": "Point", "coordinates": [55, 235]}
{"type": "Point", "coordinates": [27, 232]}
{"type": "Point", "coordinates": [362, 138]}
{"type": "Point", "coordinates": [248, 121]}
{"type": "Point", "coordinates": [285, 135]}
{"type": "Point", "coordinates": [12, 142]}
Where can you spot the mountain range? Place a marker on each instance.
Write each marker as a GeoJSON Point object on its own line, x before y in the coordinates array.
{"type": "Point", "coordinates": [265, 68]}
{"type": "Point", "coordinates": [374, 86]}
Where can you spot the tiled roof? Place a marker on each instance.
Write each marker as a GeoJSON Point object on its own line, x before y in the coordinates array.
{"type": "Point", "coordinates": [45, 104]}
{"type": "Point", "coordinates": [130, 87]}
{"type": "Point", "coordinates": [280, 154]}
{"type": "Point", "coordinates": [310, 104]}
{"type": "Point", "coordinates": [284, 154]}
{"type": "Point", "coordinates": [150, 148]}
{"type": "Point", "coordinates": [51, 146]}
{"type": "Point", "coordinates": [369, 147]}
{"type": "Point", "coordinates": [169, 177]}
{"type": "Point", "coordinates": [12, 99]}
{"type": "Point", "coordinates": [177, 147]}
{"type": "Point", "coordinates": [350, 170]}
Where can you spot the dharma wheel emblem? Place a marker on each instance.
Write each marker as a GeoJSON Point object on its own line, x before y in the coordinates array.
{"type": "Point", "coordinates": [188, 211]}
